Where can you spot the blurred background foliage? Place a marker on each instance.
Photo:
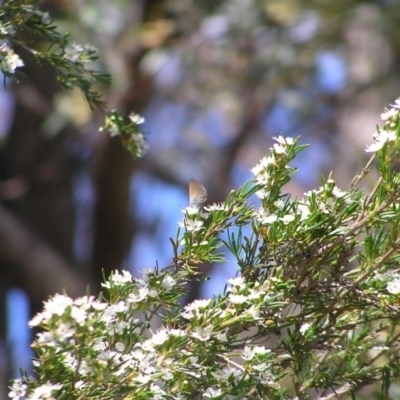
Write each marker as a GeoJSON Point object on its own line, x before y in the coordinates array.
{"type": "Point", "coordinates": [215, 80]}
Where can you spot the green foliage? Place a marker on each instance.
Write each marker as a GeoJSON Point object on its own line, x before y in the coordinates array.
{"type": "Point", "coordinates": [314, 311]}
{"type": "Point", "coordinates": [24, 26]}
{"type": "Point", "coordinates": [127, 129]}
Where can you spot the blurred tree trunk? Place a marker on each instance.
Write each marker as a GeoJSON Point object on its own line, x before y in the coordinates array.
{"type": "Point", "coordinates": [37, 173]}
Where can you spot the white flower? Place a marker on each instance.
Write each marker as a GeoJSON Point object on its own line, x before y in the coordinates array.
{"type": "Point", "coordinates": [222, 336]}
{"type": "Point", "coordinates": [262, 194]}
{"type": "Point", "coordinates": [18, 389]}
{"type": "Point", "coordinates": [381, 137]}
{"type": "Point", "coordinates": [191, 210]}
{"type": "Point", "coordinates": [100, 345]}
{"type": "Point", "coordinates": [78, 314]}
{"type": "Point", "coordinates": [119, 346]}
{"type": "Point", "coordinates": [143, 379]}
{"type": "Point", "coordinates": [373, 148]}
{"type": "Point", "coordinates": [224, 374]}
{"type": "Point", "coordinates": [140, 144]}
{"type": "Point", "coordinates": [312, 192]}
{"type": "Point", "coordinates": [55, 306]}
{"type": "Point", "coordinates": [152, 293]}
{"type": "Point", "coordinates": [338, 193]}
{"type": "Point", "coordinates": [168, 282]}
{"type": "Point", "coordinates": [253, 311]}
{"type": "Point", "coordinates": [37, 320]}
{"type": "Point", "coordinates": [282, 140]}
{"type": "Point", "coordinates": [269, 160]}
{"type": "Point", "coordinates": [160, 337]}
{"type": "Point", "coordinates": [393, 286]}
{"type": "Point", "coordinates": [148, 346]}
{"type": "Point", "coordinates": [178, 332]}
{"type": "Point", "coordinates": [257, 170]}
{"type": "Point", "coordinates": [47, 338]}
{"type": "Point", "coordinates": [380, 348]}
{"type": "Point", "coordinates": [76, 53]}
{"type": "Point", "coordinates": [237, 282]}
{"type": "Point", "coordinates": [136, 118]}
{"type": "Point", "coordinates": [279, 204]}
{"type": "Point", "coordinates": [304, 210]}
{"type": "Point", "coordinates": [389, 114]}
{"type": "Point", "coordinates": [247, 353]}
{"type": "Point", "coordinates": [270, 219]}
{"type": "Point", "coordinates": [264, 179]}
{"type": "Point", "coordinates": [286, 219]}
{"type": "Point", "coordinates": [118, 279]}
{"type": "Point", "coordinates": [237, 298]}
{"type": "Point", "coordinates": [198, 305]}
{"type": "Point", "coordinates": [202, 334]}
{"type": "Point", "coordinates": [44, 392]}
{"type": "Point", "coordinates": [10, 61]}
{"type": "Point", "coordinates": [73, 52]}
{"type": "Point", "coordinates": [64, 331]}
{"type": "Point", "coordinates": [46, 18]}
{"type": "Point", "coordinates": [80, 385]}
{"type": "Point", "coordinates": [148, 272]}
{"type": "Point", "coordinates": [167, 374]}
{"type": "Point", "coordinates": [262, 165]}
{"type": "Point", "coordinates": [262, 367]}
{"type": "Point", "coordinates": [84, 302]}
{"type": "Point", "coordinates": [304, 328]}
{"type": "Point", "coordinates": [191, 226]}
{"type": "Point", "coordinates": [157, 392]}
{"type": "Point", "coordinates": [142, 294]}
{"type": "Point", "coordinates": [110, 312]}
{"type": "Point", "coordinates": [261, 216]}
{"type": "Point", "coordinates": [261, 350]}
{"type": "Point", "coordinates": [119, 327]}
{"type": "Point", "coordinates": [58, 304]}
{"type": "Point", "coordinates": [212, 393]}
{"type": "Point", "coordinates": [216, 207]}
{"type": "Point", "coordinates": [268, 379]}
{"type": "Point", "coordinates": [396, 104]}
{"type": "Point", "coordinates": [279, 148]}
{"type": "Point", "coordinates": [114, 130]}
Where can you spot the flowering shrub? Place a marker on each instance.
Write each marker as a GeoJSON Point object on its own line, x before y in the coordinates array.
{"type": "Point", "coordinates": [313, 312]}
{"type": "Point", "coordinates": [24, 26]}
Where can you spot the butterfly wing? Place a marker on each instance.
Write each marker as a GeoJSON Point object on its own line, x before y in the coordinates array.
{"type": "Point", "coordinates": [197, 193]}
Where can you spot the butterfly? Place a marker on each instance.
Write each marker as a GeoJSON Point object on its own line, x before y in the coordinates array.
{"type": "Point", "coordinates": [197, 193]}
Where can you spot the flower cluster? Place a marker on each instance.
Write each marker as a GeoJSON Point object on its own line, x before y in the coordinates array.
{"type": "Point", "coordinates": [132, 138]}
{"type": "Point", "coordinates": [85, 339]}
{"type": "Point", "coordinates": [270, 174]}
{"type": "Point", "coordinates": [318, 285]}
{"type": "Point", "coordinates": [77, 53]}
{"type": "Point", "coordinates": [388, 133]}
{"type": "Point", "coordinates": [269, 169]}
{"type": "Point", "coordinates": [393, 285]}
{"type": "Point", "coordinates": [328, 198]}
{"type": "Point", "coordinates": [9, 61]}
{"type": "Point", "coordinates": [265, 218]}
{"type": "Point", "coordinates": [192, 224]}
